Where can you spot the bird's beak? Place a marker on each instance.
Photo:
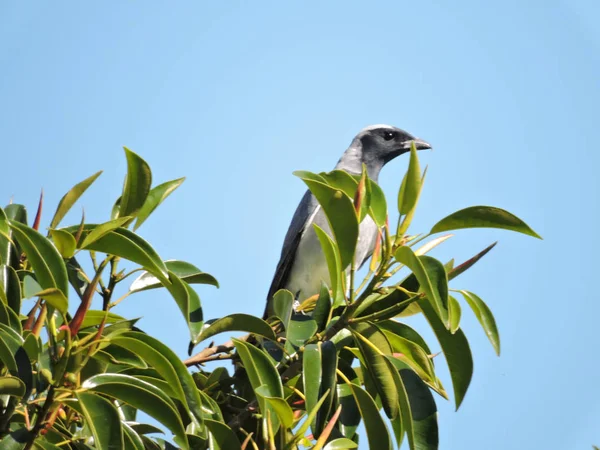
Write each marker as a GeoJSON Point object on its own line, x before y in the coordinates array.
{"type": "Point", "coordinates": [420, 144]}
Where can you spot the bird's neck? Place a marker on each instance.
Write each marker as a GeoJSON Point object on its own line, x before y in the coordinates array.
{"type": "Point", "coordinates": [353, 159]}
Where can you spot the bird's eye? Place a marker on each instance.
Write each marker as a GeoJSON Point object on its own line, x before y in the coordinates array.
{"type": "Point", "coordinates": [389, 135]}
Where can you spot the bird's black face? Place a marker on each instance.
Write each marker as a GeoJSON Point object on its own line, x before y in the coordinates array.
{"type": "Point", "coordinates": [384, 142]}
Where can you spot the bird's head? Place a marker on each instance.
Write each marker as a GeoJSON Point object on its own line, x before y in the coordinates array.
{"type": "Point", "coordinates": [382, 143]}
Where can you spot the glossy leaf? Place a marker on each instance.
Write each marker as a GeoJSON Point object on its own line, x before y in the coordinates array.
{"type": "Point", "coordinates": [55, 298]}
{"type": "Point", "coordinates": [423, 411]}
{"type": "Point", "coordinates": [102, 230]}
{"type": "Point", "coordinates": [70, 198]}
{"type": "Point", "coordinates": [334, 265]}
{"type": "Point", "coordinates": [413, 355]}
{"type": "Point", "coordinates": [373, 346]}
{"type": "Point", "coordinates": [155, 197]}
{"type": "Point", "coordinates": [378, 435]}
{"type": "Point", "coordinates": [12, 386]}
{"type": "Point", "coordinates": [483, 217]}
{"type": "Point", "coordinates": [94, 317]}
{"type": "Point", "coordinates": [141, 395]}
{"type": "Point", "coordinates": [131, 439]}
{"type": "Point", "coordinates": [341, 217]}
{"type": "Point", "coordinates": [47, 263]}
{"type": "Point", "coordinates": [431, 276]}
{"type": "Point", "coordinates": [340, 444]}
{"type": "Point", "coordinates": [311, 377]}
{"type": "Point", "coordinates": [322, 308]}
{"type": "Point", "coordinates": [456, 350]}
{"type": "Point", "coordinates": [346, 182]}
{"type": "Point", "coordinates": [485, 317]}
{"type": "Point", "coordinates": [137, 184]}
{"type": "Point", "coordinates": [454, 313]}
{"type": "Point", "coordinates": [301, 328]}
{"type": "Point", "coordinates": [184, 270]}
{"type": "Point", "coordinates": [283, 306]}
{"type": "Point", "coordinates": [103, 420]}
{"type": "Point", "coordinates": [128, 245]}
{"type": "Point", "coordinates": [167, 364]}
{"type": "Point", "coordinates": [411, 184]}
{"type": "Point", "coordinates": [10, 284]}
{"type": "Point", "coordinates": [403, 330]}
{"type": "Point", "coordinates": [260, 369]}
{"type": "Point", "coordinates": [224, 437]}
{"type": "Point", "coordinates": [261, 372]}
{"type": "Point", "coordinates": [282, 409]}
{"type": "Point", "coordinates": [238, 322]}
{"type": "Point", "coordinates": [64, 242]}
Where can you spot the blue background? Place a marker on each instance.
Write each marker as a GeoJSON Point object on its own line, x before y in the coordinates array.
{"type": "Point", "coordinates": [237, 95]}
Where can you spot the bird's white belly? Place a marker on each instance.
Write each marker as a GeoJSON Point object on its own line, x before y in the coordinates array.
{"type": "Point", "coordinates": [309, 269]}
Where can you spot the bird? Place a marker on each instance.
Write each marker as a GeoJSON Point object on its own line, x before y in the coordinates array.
{"type": "Point", "coordinates": [302, 266]}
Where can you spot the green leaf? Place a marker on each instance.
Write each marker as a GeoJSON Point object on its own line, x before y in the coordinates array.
{"type": "Point", "coordinates": [423, 411]}
{"type": "Point", "coordinates": [101, 230]}
{"type": "Point", "coordinates": [334, 265]}
{"type": "Point", "coordinates": [184, 270]}
{"type": "Point", "coordinates": [485, 318]}
{"type": "Point", "coordinates": [322, 308]}
{"type": "Point", "coordinates": [70, 198]}
{"type": "Point", "coordinates": [238, 322]}
{"type": "Point", "coordinates": [301, 329]}
{"type": "Point", "coordinates": [311, 377]}
{"type": "Point", "coordinates": [48, 265]}
{"type": "Point", "coordinates": [155, 197]}
{"type": "Point", "coordinates": [12, 386]}
{"type": "Point", "coordinates": [131, 440]}
{"type": "Point", "coordinates": [377, 433]}
{"type": "Point", "coordinates": [64, 242]}
{"type": "Point", "coordinates": [413, 355]}
{"type": "Point", "coordinates": [128, 245]}
{"type": "Point", "coordinates": [283, 306]}
{"type": "Point", "coordinates": [340, 444]}
{"type": "Point", "coordinates": [15, 440]}
{"type": "Point", "coordinates": [378, 208]}
{"type": "Point", "coordinates": [340, 179]}
{"type": "Point", "coordinates": [319, 377]}
{"type": "Point", "coordinates": [454, 313]}
{"type": "Point", "coordinates": [222, 436]}
{"type": "Point", "coordinates": [54, 297]}
{"type": "Point", "coordinates": [373, 346]}
{"type": "Point", "coordinates": [95, 317]}
{"type": "Point", "coordinates": [280, 406]}
{"type": "Point", "coordinates": [403, 330]}
{"type": "Point", "coordinates": [261, 372]}
{"type": "Point", "coordinates": [350, 417]}
{"type": "Point", "coordinates": [260, 369]}
{"type": "Point", "coordinates": [102, 419]}
{"type": "Point", "coordinates": [137, 184]}
{"type": "Point", "coordinates": [483, 217]}
{"type": "Point", "coordinates": [403, 422]}
{"type": "Point", "coordinates": [143, 396]}
{"type": "Point", "coordinates": [432, 278]}
{"type": "Point", "coordinates": [167, 364]}
{"type": "Point", "coordinates": [411, 184]}
{"type": "Point", "coordinates": [456, 350]}
{"type": "Point", "coordinates": [11, 285]}
{"type": "Point", "coordinates": [341, 217]}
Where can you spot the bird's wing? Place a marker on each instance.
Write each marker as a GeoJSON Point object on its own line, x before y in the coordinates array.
{"type": "Point", "coordinates": [303, 217]}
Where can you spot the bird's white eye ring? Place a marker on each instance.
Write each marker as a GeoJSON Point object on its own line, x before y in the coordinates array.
{"type": "Point", "coordinates": [389, 135]}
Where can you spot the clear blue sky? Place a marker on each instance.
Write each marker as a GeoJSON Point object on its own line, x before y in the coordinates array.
{"type": "Point", "coordinates": [237, 95]}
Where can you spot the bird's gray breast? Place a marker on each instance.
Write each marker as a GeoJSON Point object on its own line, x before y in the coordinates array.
{"type": "Point", "coordinates": [309, 268]}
